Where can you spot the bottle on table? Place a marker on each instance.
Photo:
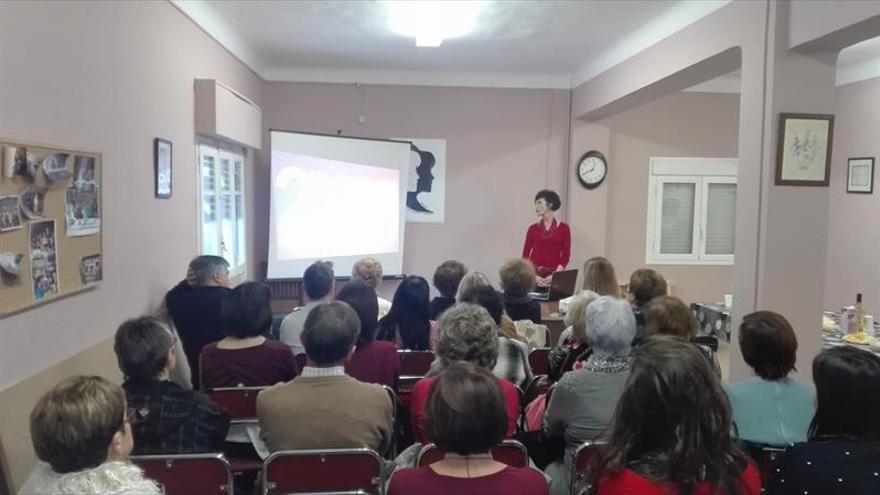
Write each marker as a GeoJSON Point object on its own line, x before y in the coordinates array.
{"type": "Point", "coordinates": [860, 314]}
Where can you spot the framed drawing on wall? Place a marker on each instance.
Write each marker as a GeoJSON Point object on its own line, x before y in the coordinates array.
{"type": "Point", "coordinates": [860, 175]}
{"type": "Point", "coordinates": [162, 167]}
{"type": "Point", "coordinates": [803, 156]}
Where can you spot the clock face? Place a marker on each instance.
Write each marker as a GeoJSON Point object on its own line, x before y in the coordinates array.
{"type": "Point", "coordinates": [592, 169]}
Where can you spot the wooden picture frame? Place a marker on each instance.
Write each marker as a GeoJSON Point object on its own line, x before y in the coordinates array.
{"type": "Point", "coordinates": [864, 176]}
{"type": "Point", "coordinates": [803, 154]}
{"type": "Point", "coordinates": [162, 167]}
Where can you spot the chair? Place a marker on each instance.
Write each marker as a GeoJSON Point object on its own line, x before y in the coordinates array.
{"type": "Point", "coordinates": [709, 341]}
{"type": "Point", "coordinates": [323, 471]}
{"type": "Point", "coordinates": [766, 458]}
{"type": "Point", "coordinates": [414, 365]}
{"type": "Point", "coordinates": [539, 360]}
{"type": "Point", "coordinates": [510, 452]}
{"type": "Point", "coordinates": [392, 449]}
{"type": "Point", "coordinates": [241, 405]}
{"type": "Point", "coordinates": [301, 361]}
{"type": "Point", "coordinates": [583, 456]}
{"type": "Point", "coordinates": [188, 474]}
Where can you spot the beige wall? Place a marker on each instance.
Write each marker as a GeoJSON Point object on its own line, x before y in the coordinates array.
{"type": "Point", "coordinates": [853, 259]}
{"type": "Point", "coordinates": [502, 146]}
{"type": "Point", "coordinates": [681, 125]}
{"type": "Point", "coordinates": [107, 77]}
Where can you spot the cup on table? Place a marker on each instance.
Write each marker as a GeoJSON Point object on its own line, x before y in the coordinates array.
{"type": "Point", "coordinates": [869, 324]}
{"type": "Point", "coordinates": [728, 300]}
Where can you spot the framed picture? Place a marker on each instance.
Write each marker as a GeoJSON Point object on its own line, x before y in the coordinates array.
{"type": "Point", "coordinates": [803, 157]}
{"type": "Point", "coordinates": [860, 175]}
{"type": "Point", "coordinates": [162, 167]}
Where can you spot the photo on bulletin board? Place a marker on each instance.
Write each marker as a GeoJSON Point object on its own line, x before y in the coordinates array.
{"type": "Point", "coordinates": [10, 214]}
{"type": "Point", "coordinates": [44, 259]}
{"type": "Point", "coordinates": [90, 269]}
{"type": "Point", "coordinates": [162, 167]}
{"type": "Point", "coordinates": [81, 200]}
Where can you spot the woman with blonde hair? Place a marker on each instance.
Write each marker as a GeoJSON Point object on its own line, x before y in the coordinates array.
{"type": "Point", "coordinates": [599, 277]}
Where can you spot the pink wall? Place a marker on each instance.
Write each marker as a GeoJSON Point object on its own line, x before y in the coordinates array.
{"type": "Point", "coordinates": [502, 146]}
{"type": "Point", "coordinates": [681, 125]}
{"type": "Point", "coordinates": [853, 259]}
{"type": "Point", "coordinates": [109, 77]}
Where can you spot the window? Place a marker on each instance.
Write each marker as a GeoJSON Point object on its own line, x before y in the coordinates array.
{"type": "Point", "coordinates": [691, 211]}
{"type": "Point", "coordinates": [221, 205]}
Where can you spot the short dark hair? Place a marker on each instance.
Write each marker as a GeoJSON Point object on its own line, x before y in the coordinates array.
{"type": "Point", "coordinates": [847, 402]}
{"type": "Point", "coordinates": [466, 412]}
{"type": "Point", "coordinates": [73, 424]}
{"type": "Point", "coordinates": [447, 277]}
{"type": "Point", "coordinates": [488, 298]}
{"type": "Point", "coordinates": [204, 267]}
{"type": "Point", "coordinates": [329, 332]}
{"type": "Point", "coordinates": [361, 296]}
{"type": "Point", "coordinates": [549, 197]}
{"type": "Point", "coordinates": [668, 315]}
{"type": "Point", "coordinates": [246, 310]}
{"type": "Point", "coordinates": [646, 284]}
{"type": "Point", "coordinates": [318, 279]}
{"type": "Point", "coordinates": [141, 347]}
{"type": "Point", "coordinates": [768, 344]}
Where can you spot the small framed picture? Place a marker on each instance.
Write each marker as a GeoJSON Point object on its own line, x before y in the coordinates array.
{"type": "Point", "coordinates": [860, 175]}
{"type": "Point", "coordinates": [803, 155]}
{"type": "Point", "coordinates": [162, 167]}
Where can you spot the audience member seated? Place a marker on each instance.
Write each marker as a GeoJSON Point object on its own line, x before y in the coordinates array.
{"type": "Point", "coordinates": [599, 277]}
{"type": "Point", "coordinates": [370, 271]}
{"type": "Point", "coordinates": [373, 361]}
{"type": "Point", "coordinates": [644, 284]}
{"type": "Point", "coordinates": [474, 280]}
{"type": "Point", "coordinates": [447, 276]}
{"type": "Point", "coordinates": [671, 431]}
{"type": "Point", "coordinates": [409, 324]}
{"type": "Point", "coordinates": [323, 408]}
{"type": "Point", "coordinates": [770, 408]}
{"type": "Point", "coordinates": [572, 354]}
{"type": "Point", "coordinates": [167, 419]}
{"type": "Point", "coordinates": [194, 307]}
{"type": "Point", "coordinates": [517, 280]}
{"type": "Point", "coordinates": [667, 315]}
{"type": "Point", "coordinates": [583, 403]}
{"type": "Point", "coordinates": [842, 455]}
{"type": "Point", "coordinates": [513, 356]}
{"type": "Point", "coordinates": [81, 434]}
{"type": "Point", "coordinates": [318, 282]}
{"type": "Point", "coordinates": [466, 333]}
{"type": "Point", "coordinates": [245, 357]}
{"type": "Point", "coordinates": [465, 416]}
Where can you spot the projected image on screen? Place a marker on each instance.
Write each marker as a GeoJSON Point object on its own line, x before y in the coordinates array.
{"type": "Point", "coordinates": [327, 208]}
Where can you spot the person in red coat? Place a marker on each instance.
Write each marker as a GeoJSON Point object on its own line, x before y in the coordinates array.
{"type": "Point", "coordinates": [548, 241]}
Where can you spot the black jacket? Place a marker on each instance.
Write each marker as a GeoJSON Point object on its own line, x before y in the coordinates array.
{"type": "Point", "coordinates": [171, 420]}
{"type": "Point", "coordinates": [196, 315]}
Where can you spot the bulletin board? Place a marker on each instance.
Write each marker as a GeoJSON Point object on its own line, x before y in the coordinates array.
{"type": "Point", "coordinates": [50, 224]}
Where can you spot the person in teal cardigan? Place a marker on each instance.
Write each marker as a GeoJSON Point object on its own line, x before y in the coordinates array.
{"type": "Point", "coordinates": [770, 408]}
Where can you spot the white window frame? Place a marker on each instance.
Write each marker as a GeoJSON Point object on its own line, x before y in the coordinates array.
{"type": "Point", "coordinates": [219, 152]}
{"type": "Point", "coordinates": [701, 172]}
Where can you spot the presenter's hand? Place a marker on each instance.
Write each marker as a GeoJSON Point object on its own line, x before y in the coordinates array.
{"type": "Point", "coordinates": [542, 281]}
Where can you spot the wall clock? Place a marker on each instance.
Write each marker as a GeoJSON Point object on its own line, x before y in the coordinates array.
{"type": "Point", "coordinates": [592, 169]}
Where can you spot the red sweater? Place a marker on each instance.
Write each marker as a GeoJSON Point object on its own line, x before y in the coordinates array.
{"type": "Point", "coordinates": [376, 362]}
{"type": "Point", "coordinates": [510, 480]}
{"type": "Point", "coordinates": [420, 399]}
{"type": "Point", "coordinates": [547, 249]}
{"type": "Point", "coordinates": [627, 482]}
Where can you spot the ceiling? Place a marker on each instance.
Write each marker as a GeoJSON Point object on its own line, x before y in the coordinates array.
{"type": "Point", "coordinates": [517, 43]}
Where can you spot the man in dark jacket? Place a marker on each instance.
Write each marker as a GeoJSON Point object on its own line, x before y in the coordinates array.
{"type": "Point", "coordinates": [165, 418]}
{"type": "Point", "coordinates": [194, 306]}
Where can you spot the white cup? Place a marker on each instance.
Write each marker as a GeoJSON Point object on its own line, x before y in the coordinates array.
{"type": "Point", "coordinates": [728, 300]}
{"type": "Point", "coordinates": [869, 325]}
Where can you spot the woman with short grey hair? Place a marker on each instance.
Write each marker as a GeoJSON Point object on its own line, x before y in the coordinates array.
{"type": "Point", "coordinates": [466, 333]}
{"type": "Point", "coordinates": [584, 401]}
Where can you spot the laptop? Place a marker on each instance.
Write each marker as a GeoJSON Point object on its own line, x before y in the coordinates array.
{"type": "Point", "coordinates": [561, 286]}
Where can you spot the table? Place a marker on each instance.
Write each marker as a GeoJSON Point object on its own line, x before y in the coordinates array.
{"type": "Point", "coordinates": [713, 318]}
{"type": "Point", "coordinates": [835, 338]}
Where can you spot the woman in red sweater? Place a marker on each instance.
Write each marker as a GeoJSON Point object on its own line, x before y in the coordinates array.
{"type": "Point", "coordinates": [548, 241]}
{"type": "Point", "coordinates": [671, 433]}
{"type": "Point", "coordinates": [465, 417]}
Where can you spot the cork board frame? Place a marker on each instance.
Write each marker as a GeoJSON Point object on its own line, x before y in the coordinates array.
{"type": "Point", "coordinates": [69, 224]}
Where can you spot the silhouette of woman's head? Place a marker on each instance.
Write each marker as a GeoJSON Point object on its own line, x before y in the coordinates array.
{"type": "Point", "coordinates": [426, 163]}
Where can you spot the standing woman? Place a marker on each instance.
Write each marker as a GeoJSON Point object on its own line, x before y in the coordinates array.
{"type": "Point", "coordinates": [548, 242]}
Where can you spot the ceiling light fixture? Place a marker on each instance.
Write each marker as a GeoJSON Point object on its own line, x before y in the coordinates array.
{"type": "Point", "coordinates": [431, 21]}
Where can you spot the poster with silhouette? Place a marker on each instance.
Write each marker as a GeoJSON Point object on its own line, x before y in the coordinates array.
{"type": "Point", "coordinates": [426, 186]}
